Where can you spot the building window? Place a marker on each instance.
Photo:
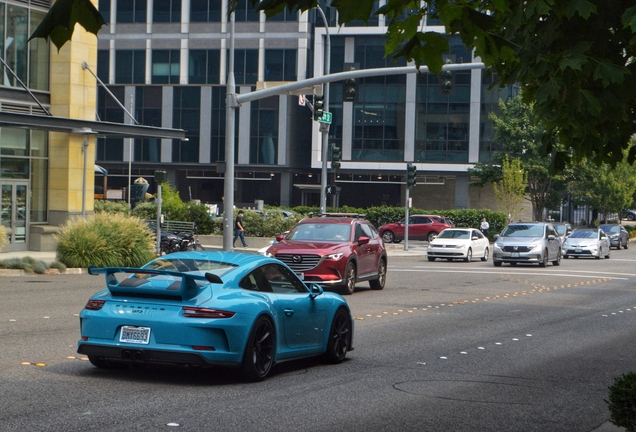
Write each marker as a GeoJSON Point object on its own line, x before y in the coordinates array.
{"type": "Point", "coordinates": [285, 16]}
{"type": "Point", "coordinates": [131, 11]}
{"type": "Point", "coordinates": [264, 131]}
{"type": "Point", "coordinates": [245, 11]}
{"type": "Point", "coordinates": [148, 101]}
{"type": "Point", "coordinates": [217, 125]}
{"type": "Point", "coordinates": [280, 65]}
{"type": "Point", "coordinates": [15, 50]}
{"type": "Point", "coordinates": [186, 115]}
{"type": "Point", "coordinates": [246, 66]}
{"type": "Point", "coordinates": [443, 118]}
{"type": "Point", "coordinates": [205, 10]}
{"type": "Point", "coordinates": [130, 66]}
{"type": "Point", "coordinates": [165, 66]}
{"type": "Point", "coordinates": [205, 66]}
{"type": "Point", "coordinates": [39, 61]}
{"type": "Point", "coordinates": [166, 11]}
{"type": "Point", "coordinates": [378, 112]}
{"type": "Point", "coordinates": [110, 149]}
{"type": "Point", "coordinates": [104, 10]}
{"type": "Point", "coordinates": [103, 65]}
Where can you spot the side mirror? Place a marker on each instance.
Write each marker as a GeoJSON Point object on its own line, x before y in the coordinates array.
{"type": "Point", "coordinates": [496, 236]}
{"type": "Point", "coordinates": [279, 237]}
{"type": "Point", "coordinates": [551, 237]}
{"type": "Point", "coordinates": [315, 290]}
{"type": "Point", "coordinates": [363, 240]}
{"type": "Point", "coordinates": [475, 238]}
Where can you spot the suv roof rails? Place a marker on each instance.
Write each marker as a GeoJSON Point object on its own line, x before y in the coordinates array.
{"type": "Point", "coordinates": [349, 215]}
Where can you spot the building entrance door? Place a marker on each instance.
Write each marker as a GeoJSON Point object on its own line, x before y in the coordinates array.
{"type": "Point", "coordinates": [14, 213]}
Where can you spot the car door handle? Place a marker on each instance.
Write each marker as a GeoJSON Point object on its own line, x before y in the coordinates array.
{"type": "Point", "coordinates": [289, 312]}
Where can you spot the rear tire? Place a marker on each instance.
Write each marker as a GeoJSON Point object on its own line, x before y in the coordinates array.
{"type": "Point", "coordinates": [339, 338]}
{"type": "Point", "coordinates": [350, 279]}
{"type": "Point", "coordinates": [431, 236]}
{"type": "Point", "coordinates": [431, 259]}
{"type": "Point", "coordinates": [258, 358]}
{"type": "Point", "coordinates": [557, 262]}
{"type": "Point", "coordinates": [626, 245]}
{"type": "Point", "coordinates": [378, 284]}
{"type": "Point", "coordinates": [496, 263]}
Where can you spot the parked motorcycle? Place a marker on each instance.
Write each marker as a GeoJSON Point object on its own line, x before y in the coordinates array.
{"type": "Point", "coordinates": [176, 242]}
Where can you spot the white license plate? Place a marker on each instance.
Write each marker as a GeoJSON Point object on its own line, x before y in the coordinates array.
{"type": "Point", "coordinates": [138, 335]}
{"type": "Point", "coordinates": [578, 250]}
{"type": "Point", "coordinates": [514, 254]}
{"type": "Point", "coordinates": [300, 275]}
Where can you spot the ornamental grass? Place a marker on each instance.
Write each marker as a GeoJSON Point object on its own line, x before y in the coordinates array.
{"type": "Point", "coordinates": [105, 240]}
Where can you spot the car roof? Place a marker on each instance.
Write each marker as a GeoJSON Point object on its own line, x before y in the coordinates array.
{"type": "Point", "coordinates": [330, 220]}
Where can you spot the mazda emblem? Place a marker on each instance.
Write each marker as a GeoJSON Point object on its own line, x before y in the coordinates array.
{"type": "Point", "coordinates": [297, 259]}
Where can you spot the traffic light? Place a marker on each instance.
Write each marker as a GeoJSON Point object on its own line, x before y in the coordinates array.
{"type": "Point", "coordinates": [319, 106]}
{"type": "Point", "coordinates": [336, 156]}
{"type": "Point", "coordinates": [411, 175]}
{"type": "Point", "coordinates": [446, 79]}
{"type": "Point", "coordinates": [350, 87]}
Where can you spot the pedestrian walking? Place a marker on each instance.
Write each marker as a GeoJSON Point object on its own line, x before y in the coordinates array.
{"type": "Point", "coordinates": [239, 229]}
{"type": "Point", "coordinates": [484, 227]}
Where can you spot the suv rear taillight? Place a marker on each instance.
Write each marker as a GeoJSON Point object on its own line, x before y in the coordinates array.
{"type": "Point", "coordinates": [194, 312]}
{"type": "Point", "coordinates": [94, 304]}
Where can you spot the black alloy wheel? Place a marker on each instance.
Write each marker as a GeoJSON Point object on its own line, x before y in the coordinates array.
{"type": "Point", "coordinates": [258, 358]}
{"type": "Point", "coordinates": [339, 337]}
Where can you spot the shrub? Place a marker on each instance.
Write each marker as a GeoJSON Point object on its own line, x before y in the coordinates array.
{"type": "Point", "coordinates": [4, 241]}
{"type": "Point", "coordinates": [105, 240]}
{"type": "Point", "coordinates": [28, 264]}
{"type": "Point", "coordinates": [622, 401]}
{"type": "Point", "coordinates": [111, 207]}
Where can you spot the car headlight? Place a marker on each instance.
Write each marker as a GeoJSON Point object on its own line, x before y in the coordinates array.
{"type": "Point", "coordinates": [533, 246]}
{"type": "Point", "coordinates": [433, 245]}
{"type": "Point", "coordinates": [460, 246]}
{"type": "Point", "coordinates": [499, 245]}
{"type": "Point", "coordinates": [335, 256]}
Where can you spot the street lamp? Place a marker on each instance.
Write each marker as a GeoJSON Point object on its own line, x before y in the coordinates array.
{"type": "Point", "coordinates": [324, 127]}
{"type": "Point", "coordinates": [86, 132]}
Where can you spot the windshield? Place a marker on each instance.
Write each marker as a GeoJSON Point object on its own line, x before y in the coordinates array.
{"type": "Point", "coordinates": [338, 233]}
{"type": "Point", "coordinates": [454, 234]}
{"type": "Point", "coordinates": [523, 231]}
{"type": "Point", "coordinates": [584, 233]}
{"type": "Point", "coordinates": [610, 228]}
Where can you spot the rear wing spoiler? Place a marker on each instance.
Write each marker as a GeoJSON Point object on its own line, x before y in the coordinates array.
{"type": "Point", "coordinates": [187, 289]}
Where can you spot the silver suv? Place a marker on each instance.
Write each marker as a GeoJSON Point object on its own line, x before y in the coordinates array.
{"type": "Point", "coordinates": [527, 242]}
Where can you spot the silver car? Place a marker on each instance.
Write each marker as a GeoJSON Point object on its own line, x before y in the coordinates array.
{"type": "Point", "coordinates": [587, 242]}
{"type": "Point", "coordinates": [527, 242]}
{"type": "Point", "coordinates": [617, 234]}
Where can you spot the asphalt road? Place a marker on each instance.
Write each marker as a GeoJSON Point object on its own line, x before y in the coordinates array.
{"type": "Point", "coordinates": [445, 346]}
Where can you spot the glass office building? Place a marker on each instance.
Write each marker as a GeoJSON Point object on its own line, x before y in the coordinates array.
{"type": "Point", "coordinates": [167, 62]}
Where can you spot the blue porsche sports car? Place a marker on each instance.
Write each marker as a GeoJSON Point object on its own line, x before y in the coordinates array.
{"type": "Point", "coordinates": [212, 308]}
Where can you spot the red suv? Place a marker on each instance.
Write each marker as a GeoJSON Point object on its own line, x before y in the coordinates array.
{"type": "Point", "coordinates": [421, 227]}
{"type": "Point", "coordinates": [334, 252]}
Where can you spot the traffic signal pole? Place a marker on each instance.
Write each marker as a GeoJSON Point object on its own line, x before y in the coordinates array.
{"type": "Point", "coordinates": [324, 127]}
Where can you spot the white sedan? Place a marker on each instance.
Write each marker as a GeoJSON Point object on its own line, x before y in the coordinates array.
{"type": "Point", "coordinates": [587, 242]}
{"type": "Point", "coordinates": [459, 243]}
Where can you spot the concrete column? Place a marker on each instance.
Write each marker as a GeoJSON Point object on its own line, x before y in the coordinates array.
{"type": "Point", "coordinates": [73, 95]}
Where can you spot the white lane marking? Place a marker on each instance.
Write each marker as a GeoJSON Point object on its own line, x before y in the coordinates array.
{"type": "Point", "coordinates": [433, 270]}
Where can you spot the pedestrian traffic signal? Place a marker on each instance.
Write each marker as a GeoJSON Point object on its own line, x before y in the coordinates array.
{"type": "Point", "coordinates": [446, 79]}
{"type": "Point", "coordinates": [411, 175]}
{"type": "Point", "coordinates": [350, 87]}
{"type": "Point", "coordinates": [319, 106]}
{"type": "Point", "coordinates": [336, 156]}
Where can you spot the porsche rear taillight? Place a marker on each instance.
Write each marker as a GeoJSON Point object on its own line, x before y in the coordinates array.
{"type": "Point", "coordinates": [195, 312]}
{"type": "Point", "coordinates": [94, 304]}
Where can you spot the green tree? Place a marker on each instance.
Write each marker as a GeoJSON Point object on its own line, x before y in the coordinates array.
{"type": "Point", "coordinates": [510, 191]}
{"type": "Point", "coordinates": [608, 190]}
{"type": "Point", "coordinates": [519, 135]}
